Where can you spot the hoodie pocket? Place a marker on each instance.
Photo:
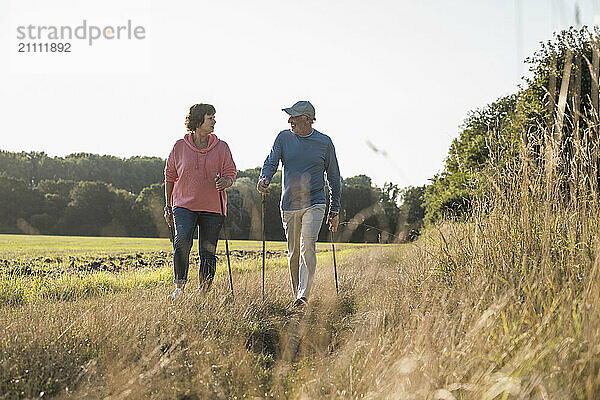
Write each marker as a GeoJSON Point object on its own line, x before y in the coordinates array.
{"type": "Point", "coordinates": [211, 168]}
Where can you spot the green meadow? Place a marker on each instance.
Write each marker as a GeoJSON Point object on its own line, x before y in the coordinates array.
{"type": "Point", "coordinates": [22, 246]}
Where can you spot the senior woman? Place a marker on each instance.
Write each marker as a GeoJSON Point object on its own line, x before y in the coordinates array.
{"type": "Point", "coordinates": [199, 168]}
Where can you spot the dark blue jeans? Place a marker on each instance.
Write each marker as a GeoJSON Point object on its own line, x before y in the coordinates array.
{"type": "Point", "coordinates": [209, 225]}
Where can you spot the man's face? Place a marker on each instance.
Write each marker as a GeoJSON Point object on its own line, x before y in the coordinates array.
{"type": "Point", "coordinates": [208, 125]}
{"type": "Point", "coordinates": [300, 124]}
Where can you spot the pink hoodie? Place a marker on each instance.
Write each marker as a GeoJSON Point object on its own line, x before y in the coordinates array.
{"type": "Point", "coordinates": [194, 172]}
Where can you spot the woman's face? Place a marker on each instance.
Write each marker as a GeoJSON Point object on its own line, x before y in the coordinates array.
{"type": "Point", "coordinates": [208, 126]}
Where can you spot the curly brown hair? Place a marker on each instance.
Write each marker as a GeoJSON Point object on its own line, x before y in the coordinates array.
{"type": "Point", "coordinates": [196, 115]}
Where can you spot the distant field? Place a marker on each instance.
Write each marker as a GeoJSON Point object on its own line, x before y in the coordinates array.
{"type": "Point", "coordinates": [23, 246]}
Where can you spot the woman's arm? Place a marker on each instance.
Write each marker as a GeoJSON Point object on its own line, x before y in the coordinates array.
{"type": "Point", "coordinates": [228, 170]}
{"type": "Point", "coordinates": [170, 177]}
{"type": "Point", "coordinates": [168, 202]}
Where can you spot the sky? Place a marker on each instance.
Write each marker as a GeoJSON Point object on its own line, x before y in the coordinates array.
{"type": "Point", "coordinates": [391, 80]}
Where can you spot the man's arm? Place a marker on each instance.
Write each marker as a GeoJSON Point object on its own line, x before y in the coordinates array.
{"type": "Point", "coordinates": [334, 179]}
{"type": "Point", "coordinates": [270, 167]}
{"type": "Point", "coordinates": [335, 188]}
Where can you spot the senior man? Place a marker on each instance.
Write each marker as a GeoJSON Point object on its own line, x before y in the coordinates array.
{"type": "Point", "coordinates": [307, 156]}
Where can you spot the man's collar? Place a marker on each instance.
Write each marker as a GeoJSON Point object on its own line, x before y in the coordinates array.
{"type": "Point", "coordinates": [311, 132]}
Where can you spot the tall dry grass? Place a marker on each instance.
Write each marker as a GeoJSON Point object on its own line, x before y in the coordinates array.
{"type": "Point", "coordinates": [504, 305]}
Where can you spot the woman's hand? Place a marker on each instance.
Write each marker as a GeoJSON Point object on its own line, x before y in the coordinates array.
{"type": "Point", "coordinates": [223, 183]}
{"type": "Point", "coordinates": [169, 215]}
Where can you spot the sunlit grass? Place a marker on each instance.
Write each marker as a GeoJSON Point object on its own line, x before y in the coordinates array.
{"type": "Point", "coordinates": [16, 290]}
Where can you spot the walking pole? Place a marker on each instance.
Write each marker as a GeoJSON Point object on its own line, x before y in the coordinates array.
{"type": "Point", "coordinates": [171, 233]}
{"type": "Point", "coordinates": [263, 245]}
{"type": "Point", "coordinates": [226, 243]}
{"type": "Point", "coordinates": [334, 265]}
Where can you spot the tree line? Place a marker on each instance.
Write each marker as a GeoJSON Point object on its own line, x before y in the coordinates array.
{"type": "Point", "coordinates": [131, 174]}
{"type": "Point", "coordinates": [89, 194]}
{"type": "Point", "coordinates": [557, 105]}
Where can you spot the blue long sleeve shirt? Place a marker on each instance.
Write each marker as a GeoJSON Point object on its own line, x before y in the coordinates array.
{"type": "Point", "coordinates": [305, 159]}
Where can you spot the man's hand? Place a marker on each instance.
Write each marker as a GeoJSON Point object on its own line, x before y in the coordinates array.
{"type": "Point", "coordinates": [169, 215]}
{"type": "Point", "coordinates": [223, 183]}
{"type": "Point", "coordinates": [263, 186]}
{"type": "Point", "coordinates": [333, 220]}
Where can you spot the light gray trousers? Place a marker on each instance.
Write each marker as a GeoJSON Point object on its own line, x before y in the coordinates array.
{"type": "Point", "coordinates": [302, 230]}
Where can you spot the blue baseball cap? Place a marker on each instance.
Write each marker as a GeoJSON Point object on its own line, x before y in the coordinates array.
{"type": "Point", "coordinates": [302, 107]}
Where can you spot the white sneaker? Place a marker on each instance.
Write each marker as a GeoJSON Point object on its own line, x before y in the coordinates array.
{"type": "Point", "coordinates": [176, 293]}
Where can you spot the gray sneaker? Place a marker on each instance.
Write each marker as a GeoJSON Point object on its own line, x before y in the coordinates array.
{"type": "Point", "coordinates": [300, 302]}
{"type": "Point", "coordinates": [176, 293]}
